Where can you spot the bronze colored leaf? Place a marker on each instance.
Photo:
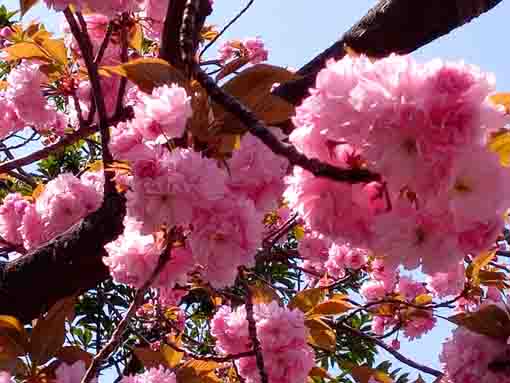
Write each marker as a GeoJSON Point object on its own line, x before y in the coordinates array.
{"type": "Point", "coordinates": [148, 73]}
{"type": "Point", "coordinates": [26, 50]}
{"type": "Point", "coordinates": [253, 88]}
{"type": "Point", "coordinates": [198, 371]}
{"type": "Point", "coordinates": [232, 66]}
{"type": "Point", "coordinates": [72, 354]}
{"type": "Point", "coordinates": [25, 5]}
{"type": "Point", "coordinates": [307, 299]}
{"type": "Point", "coordinates": [334, 306]}
{"type": "Point", "coordinates": [12, 327]}
{"type": "Point", "coordinates": [48, 334]}
{"type": "Point", "coordinates": [490, 321]}
{"type": "Point", "coordinates": [321, 335]}
{"type": "Point", "coordinates": [499, 143]}
{"type": "Point", "coordinates": [419, 380]}
{"type": "Point", "coordinates": [262, 293]}
{"type": "Point", "coordinates": [150, 358]}
{"type": "Point", "coordinates": [319, 372]}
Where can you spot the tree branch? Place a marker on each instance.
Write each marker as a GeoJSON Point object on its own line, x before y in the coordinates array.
{"type": "Point", "coordinates": [68, 264]}
{"type": "Point", "coordinates": [392, 351]}
{"type": "Point", "coordinates": [391, 26]}
{"type": "Point", "coordinates": [66, 140]}
{"type": "Point", "coordinates": [258, 129]}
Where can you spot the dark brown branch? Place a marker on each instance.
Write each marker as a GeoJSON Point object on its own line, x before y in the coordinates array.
{"type": "Point", "coordinates": [258, 129]}
{"type": "Point", "coordinates": [171, 44]}
{"type": "Point", "coordinates": [83, 39]}
{"type": "Point", "coordinates": [252, 331]}
{"type": "Point", "coordinates": [392, 351]}
{"type": "Point", "coordinates": [68, 264]}
{"type": "Point", "coordinates": [391, 26]}
{"type": "Point", "coordinates": [67, 140]}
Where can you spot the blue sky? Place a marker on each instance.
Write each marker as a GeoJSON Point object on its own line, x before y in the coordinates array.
{"type": "Point", "coordinates": [295, 31]}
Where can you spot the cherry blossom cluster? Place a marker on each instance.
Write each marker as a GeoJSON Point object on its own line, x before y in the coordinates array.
{"type": "Point", "coordinates": [468, 357]}
{"type": "Point", "coordinates": [64, 201]}
{"type": "Point", "coordinates": [152, 375]}
{"type": "Point", "coordinates": [424, 128]}
{"type": "Point", "coordinates": [220, 211]}
{"type": "Point", "coordinates": [23, 103]}
{"type": "Point", "coordinates": [282, 334]}
{"type": "Point", "coordinates": [252, 48]}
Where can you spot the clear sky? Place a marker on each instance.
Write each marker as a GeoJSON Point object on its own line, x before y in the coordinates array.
{"type": "Point", "coordinates": [296, 30]}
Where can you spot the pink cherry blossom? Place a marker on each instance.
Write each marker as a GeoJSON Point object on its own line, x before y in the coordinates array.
{"type": "Point", "coordinates": [224, 237]}
{"type": "Point", "coordinates": [282, 334]}
{"type": "Point", "coordinates": [12, 211]}
{"type": "Point", "coordinates": [467, 358]}
{"type": "Point", "coordinates": [257, 173]}
{"type": "Point", "coordinates": [71, 373]}
{"type": "Point", "coordinates": [164, 112]}
{"type": "Point", "coordinates": [152, 375]}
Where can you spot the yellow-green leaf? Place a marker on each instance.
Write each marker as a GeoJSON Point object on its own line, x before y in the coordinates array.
{"type": "Point", "coordinates": [148, 73]}
{"type": "Point", "coordinates": [56, 49]}
{"type": "Point", "coordinates": [25, 5]}
{"type": "Point", "coordinates": [172, 356]}
{"type": "Point", "coordinates": [321, 334]}
{"type": "Point", "coordinates": [26, 50]}
{"type": "Point", "coordinates": [334, 306]}
{"type": "Point", "coordinates": [423, 299]}
{"type": "Point", "coordinates": [307, 299]}
{"type": "Point", "coordinates": [136, 37]}
{"type": "Point", "coordinates": [491, 321]}
{"type": "Point", "coordinates": [48, 335]}
{"type": "Point", "coordinates": [501, 99]}
{"type": "Point", "coordinates": [478, 264]}
{"type": "Point", "coordinates": [500, 144]}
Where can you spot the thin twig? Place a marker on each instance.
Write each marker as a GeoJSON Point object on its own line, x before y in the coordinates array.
{"type": "Point", "coordinates": [116, 337]}
{"type": "Point", "coordinates": [252, 330]}
{"type": "Point", "coordinates": [258, 129]}
{"type": "Point", "coordinates": [66, 140]}
{"type": "Point", "coordinates": [83, 40]}
{"type": "Point", "coordinates": [124, 45]}
{"type": "Point", "coordinates": [392, 351]}
{"type": "Point", "coordinates": [104, 44]}
{"type": "Point", "coordinates": [226, 27]}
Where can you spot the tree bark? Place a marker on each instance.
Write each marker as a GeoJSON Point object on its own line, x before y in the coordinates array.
{"type": "Point", "coordinates": [391, 26]}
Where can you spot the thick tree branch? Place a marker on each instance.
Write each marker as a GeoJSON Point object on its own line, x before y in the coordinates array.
{"type": "Point", "coordinates": [68, 264]}
{"type": "Point", "coordinates": [391, 26]}
{"type": "Point", "coordinates": [258, 129]}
